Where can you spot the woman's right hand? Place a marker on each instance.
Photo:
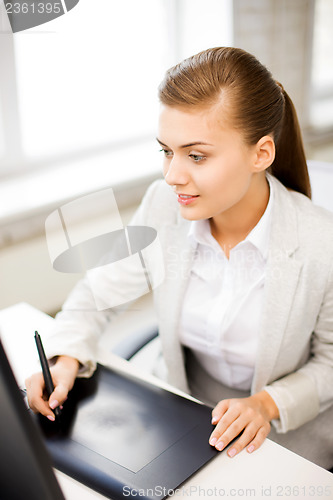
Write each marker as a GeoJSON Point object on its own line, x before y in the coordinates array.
{"type": "Point", "coordinates": [63, 373]}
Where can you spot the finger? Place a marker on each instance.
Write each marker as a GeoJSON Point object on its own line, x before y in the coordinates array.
{"type": "Point", "coordinates": [235, 412]}
{"type": "Point", "coordinates": [258, 439]}
{"type": "Point", "coordinates": [251, 432]}
{"type": "Point", "coordinates": [232, 432]}
{"type": "Point", "coordinates": [42, 407]}
{"type": "Point", "coordinates": [58, 396]}
{"type": "Point", "coordinates": [35, 388]}
{"type": "Point", "coordinates": [225, 422]}
{"type": "Point", "coordinates": [219, 410]}
{"type": "Point", "coordinates": [245, 438]}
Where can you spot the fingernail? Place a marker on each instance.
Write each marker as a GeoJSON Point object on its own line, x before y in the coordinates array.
{"type": "Point", "coordinates": [220, 446]}
{"type": "Point", "coordinates": [213, 441]}
{"type": "Point", "coordinates": [214, 420]}
{"type": "Point", "coordinates": [250, 448]}
{"type": "Point", "coordinates": [232, 452]}
{"type": "Point", "coordinates": [51, 417]}
{"type": "Point", "coordinates": [54, 404]}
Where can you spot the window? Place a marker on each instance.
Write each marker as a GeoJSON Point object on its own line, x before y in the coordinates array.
{"type": "Point", "coordinates": [321, 110]}
{"type": "Point", "coordinates": [79, 100]}
{"type": "Point", "coordinates": [204, 24]}
{"type": "Point", "coordinates": [88, 80]}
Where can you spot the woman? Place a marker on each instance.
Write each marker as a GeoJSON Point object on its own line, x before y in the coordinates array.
{"type": "Point", "coordinates": [246, 308]}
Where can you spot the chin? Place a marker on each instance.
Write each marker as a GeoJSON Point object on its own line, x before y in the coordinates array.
{"type": "Point", "coordinates": [192, 215]}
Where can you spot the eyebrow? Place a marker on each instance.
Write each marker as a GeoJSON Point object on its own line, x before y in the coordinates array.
{"type": "Point", "coordinates": [190, 144]}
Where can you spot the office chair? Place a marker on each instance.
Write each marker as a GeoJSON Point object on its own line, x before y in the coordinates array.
{"type": "Point", "coordinates": [133, 343]}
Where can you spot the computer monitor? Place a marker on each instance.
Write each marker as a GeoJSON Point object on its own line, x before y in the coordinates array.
{"type": "Point", "coordinates": [25, 465]}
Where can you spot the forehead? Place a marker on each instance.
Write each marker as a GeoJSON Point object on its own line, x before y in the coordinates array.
{"type": "Point", "coordinates": [182, 125]}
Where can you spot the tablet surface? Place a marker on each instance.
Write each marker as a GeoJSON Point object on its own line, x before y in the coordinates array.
{"type": "Point", "coordinates": [122, 436]}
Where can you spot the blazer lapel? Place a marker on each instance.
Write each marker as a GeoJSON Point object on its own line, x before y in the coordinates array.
{"type": "Point", "coordinates": [178, 261]}
{"type": "Point", "coordinates": [281, 282]}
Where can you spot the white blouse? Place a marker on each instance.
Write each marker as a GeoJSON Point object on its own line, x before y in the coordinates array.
{"type": "Point", "coordinates": [223, 302]}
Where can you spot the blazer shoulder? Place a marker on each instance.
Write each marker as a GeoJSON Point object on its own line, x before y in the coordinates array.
{"type": "Point", "coordinates": [307, 212]}
{"type": "Point", "coordinates": [310, 214]}
{"type": "Point", "coordinates": [315, 227]}
{"type": "Point", "coordinates": [298, 223]}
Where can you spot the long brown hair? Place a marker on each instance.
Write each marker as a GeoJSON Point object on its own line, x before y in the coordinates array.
{"type": "Point", "coordinates": [255, 102]}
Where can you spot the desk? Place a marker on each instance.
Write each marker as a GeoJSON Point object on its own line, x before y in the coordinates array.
{"type": "Point", "coordinates": [272, 471]}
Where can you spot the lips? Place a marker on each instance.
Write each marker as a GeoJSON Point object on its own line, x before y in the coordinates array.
{"type": "Point", "coordinates": [186, 199]}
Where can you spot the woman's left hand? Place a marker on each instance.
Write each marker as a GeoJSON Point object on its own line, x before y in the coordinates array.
{"type": "Point", "coordinates": [251, 415]}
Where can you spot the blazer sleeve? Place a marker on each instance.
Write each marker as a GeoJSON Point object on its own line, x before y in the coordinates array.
{"type": "Point", "coordinates": [78, 326]}
{"type": "Point", "coordinates": [302, 395]}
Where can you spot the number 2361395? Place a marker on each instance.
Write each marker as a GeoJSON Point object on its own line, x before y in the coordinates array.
{"type": "Point", "coordinates": [34, 8]}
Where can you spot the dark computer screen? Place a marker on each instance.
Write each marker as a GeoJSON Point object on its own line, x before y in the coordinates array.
{"type": "Point", "coordinates": [25, 466]}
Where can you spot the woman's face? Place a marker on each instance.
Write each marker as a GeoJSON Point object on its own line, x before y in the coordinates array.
{"type": "Point", "coordinates": [206, 161]}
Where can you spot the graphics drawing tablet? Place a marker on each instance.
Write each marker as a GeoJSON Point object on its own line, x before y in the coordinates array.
{"type": "Point", "coordinates": [123, 436]}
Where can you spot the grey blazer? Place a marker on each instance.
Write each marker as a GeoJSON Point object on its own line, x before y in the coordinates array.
{"type": "Point", "coordinates": [295, 353]}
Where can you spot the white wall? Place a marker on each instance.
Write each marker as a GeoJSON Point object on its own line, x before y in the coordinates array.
{"type": "Point", "coordinates": [27, 275]}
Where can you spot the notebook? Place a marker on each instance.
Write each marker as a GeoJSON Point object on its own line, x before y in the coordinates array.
{"type": "Point", "coordinates": [124, 437]}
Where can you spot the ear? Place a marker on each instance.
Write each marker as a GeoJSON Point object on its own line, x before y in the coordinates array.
{"type": "Point", "coordinates": [264, 153]}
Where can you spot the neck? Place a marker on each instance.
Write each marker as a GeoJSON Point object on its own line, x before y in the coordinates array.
{"type": "Point", "coordinates": [233, 225]}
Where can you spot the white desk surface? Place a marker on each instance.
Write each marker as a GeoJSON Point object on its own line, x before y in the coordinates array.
{"type": "Point", "coordinates": [272, 471]}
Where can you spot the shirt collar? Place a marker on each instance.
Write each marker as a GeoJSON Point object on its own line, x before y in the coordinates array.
{"type": "Point", "coordinates": [259, 236]}
{"type": "Point", "coordinates": [199, 231]}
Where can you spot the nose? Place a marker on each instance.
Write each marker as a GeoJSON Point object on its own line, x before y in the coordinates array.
{"type": "Point", "coordinates": [175, 172]}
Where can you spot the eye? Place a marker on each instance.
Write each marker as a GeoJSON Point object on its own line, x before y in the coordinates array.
{"type": "Point", "coordinates": [197, 158]}
{"type": "Point", "coordinates": [167, 152]}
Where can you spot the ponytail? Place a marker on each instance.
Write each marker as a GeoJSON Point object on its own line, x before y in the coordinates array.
{"type": "Point", "coordinates": [290, 165]}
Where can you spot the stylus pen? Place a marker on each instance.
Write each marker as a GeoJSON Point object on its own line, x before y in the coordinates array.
{"type": "Point", "coordinates": [46, 370]}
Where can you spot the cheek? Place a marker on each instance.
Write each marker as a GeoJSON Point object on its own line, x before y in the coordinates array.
{"type": "Point", "coordinates": [224, 173]}
{"type": "Point", "coordinates": [229, 178]}
{"type": "Point", "coordinates": [234, 167]}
